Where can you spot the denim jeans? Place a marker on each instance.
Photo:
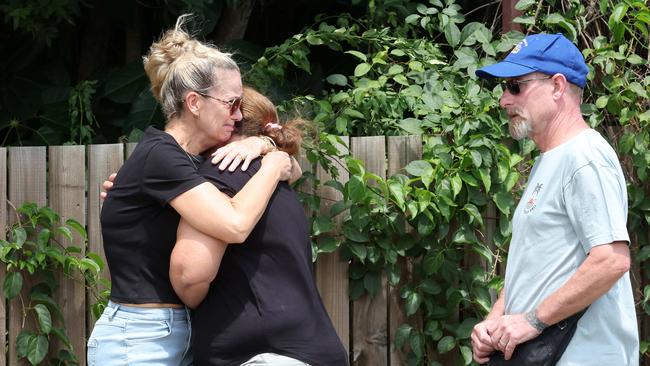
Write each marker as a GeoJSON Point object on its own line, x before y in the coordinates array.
{"type": "Point", "coordinates": [273, 359]}
{"type": "Point", "coordinates": [133, 336]}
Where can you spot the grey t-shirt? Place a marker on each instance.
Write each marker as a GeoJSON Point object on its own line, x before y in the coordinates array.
{"type": "Point", "coordinates": [575, 200]}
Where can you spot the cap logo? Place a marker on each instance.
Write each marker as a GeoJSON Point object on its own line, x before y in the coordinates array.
{"type": "Point", "coordinates": [518, 47]}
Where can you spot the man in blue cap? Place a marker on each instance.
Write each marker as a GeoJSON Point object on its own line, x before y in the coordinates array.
{"type": "Point", "coordinates": [569, 248]}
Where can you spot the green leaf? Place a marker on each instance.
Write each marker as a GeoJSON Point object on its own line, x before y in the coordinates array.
{"type": "Point", "coordinates": [452, 34]}
{"type": "Point", "coordinates": [322, 224]}
{"type": "Point", "coordinates": [65, 232]}
{"type": "Point", "coordinates": [87, 263]}
{"type": "Point", "coordinates": [19, 236]}
{"type": "Point", "coordinates": [419, 168]}
{"type": "Point", "coordinates": [464, 330]}
{"type": "Point", "coordinates": [504, 202]}
{"type": "Point", "coordinates": [13, 284]}
{"type": "Point", "coordinates": [37, 349]}
{"type": "Point", "coordinates": [412, 126]}
{"type": "Point", "coordinates": [523, 5]}
{"type": "Point", "coordinates": [337, 79]}
{"type": "Point", "coordinates": [446, 344]}
{"type": "Point", "coordinates": [313, 39]}
{"type": "Point", "coordinates": [413, 302]}
{"type": "Point", "coordinates": [412, 19]}
{"type": "Point", "coordinates": [358, 55]}
{"type": "Point", "coordinates": [356, 188]}
{"type": "Point", "coordinates": [432, 262]}
{"type": "Point", "coordinates": [601, 102]}
{"type": "Point", "coordinates": [402, 334]}
{"type": "Point", "coordinates": [43, 238]}
{"type": "Point", "coordinates": [485, 178]}
{"type": "Point", "coordinates": [22, 343]}
{"type": "Point", "coordinates": [456, 185]}
{"type": "Point", "coordinates": [353, 233]}
{"type": "Point", "coordinates": [43, 298]}
{"type": "Point", "coordinates": [528, 20]}
{"type": "Point", "coordinates": [372, 283]}
{"type": "Point", "coordinates": [44, 318]}
{"type": "Point", "coordinates": [474, 213]}
{"type": "Point", "coordinates": [430, 287]}
{"type": "Point", "coordinates": [328, 244]}
{"type": "Point", "coordinates": [361, 69]}
{"type": "Point", "coordinates": [358, 250]}
{"type": "Point", "coordinates": [466, 352]}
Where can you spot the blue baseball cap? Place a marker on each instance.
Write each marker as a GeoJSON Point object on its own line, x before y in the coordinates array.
{"type": "Point", "coordinates": [546, 53]}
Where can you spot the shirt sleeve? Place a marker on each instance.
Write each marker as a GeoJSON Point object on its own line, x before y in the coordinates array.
{"type": "Point", "coordinates": [229, 182]}
{"type": "Point", "coordinates": [168, 172]}
{"type": "Point", "coordinates": [596, 202]}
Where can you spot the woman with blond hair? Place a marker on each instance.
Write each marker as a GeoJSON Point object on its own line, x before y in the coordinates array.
{"type": "Point", "coordinates": [262, 305]}
{"type": "Point", "coordinates": [199, 89]}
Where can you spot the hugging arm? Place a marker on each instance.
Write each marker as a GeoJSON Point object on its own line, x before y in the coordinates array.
{"type": "Point", "coordinates": [194, 263]}
{"type": "Point", "coordinates": [231, 220]}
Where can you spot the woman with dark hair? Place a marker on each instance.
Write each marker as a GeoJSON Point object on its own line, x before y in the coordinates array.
{"type": "Point", "coordinates": [262, 306]}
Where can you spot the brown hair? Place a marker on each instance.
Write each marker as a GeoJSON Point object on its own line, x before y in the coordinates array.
{"type": "Point", "coordinates": [178, 63]}
{"type": "Point", "coordinates": [261, 118]}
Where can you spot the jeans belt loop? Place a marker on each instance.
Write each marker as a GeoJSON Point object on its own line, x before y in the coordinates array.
{"type": "Point", "coordinates": [114, 310]}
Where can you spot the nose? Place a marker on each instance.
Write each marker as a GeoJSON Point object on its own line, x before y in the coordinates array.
{"type": "Point", "coordinates": [237, 116]}
{"type": "Point", "coordinates": [506, 99]}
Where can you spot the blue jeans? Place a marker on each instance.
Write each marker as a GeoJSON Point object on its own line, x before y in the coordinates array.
{"type": "Point", "coordinates": [273, 359]}
{"type": "Point", "coordinates": [132, 336]}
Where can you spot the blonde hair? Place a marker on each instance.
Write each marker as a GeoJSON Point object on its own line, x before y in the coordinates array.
{"type": "Point", "coordinates": [178, 63]}
{"type": "Point", "coordinates": [261, 118]}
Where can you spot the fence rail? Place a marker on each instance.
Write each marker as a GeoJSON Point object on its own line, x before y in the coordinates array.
{"type": "Point", "coordinates": [69, 178]}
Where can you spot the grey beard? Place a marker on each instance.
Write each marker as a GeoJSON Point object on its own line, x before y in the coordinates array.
{"type": "Point", "coordinates": [520, 130]}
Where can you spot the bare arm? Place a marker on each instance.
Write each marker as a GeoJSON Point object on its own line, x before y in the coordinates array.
{"type": "Point", "coordinates": [604, 265]}
{"type": "Point", "coordinates": [194, 263]}
{"type": "Point", "coordinates": [231, 220]}
{"type": "Point", "coordinates": [296, 171]}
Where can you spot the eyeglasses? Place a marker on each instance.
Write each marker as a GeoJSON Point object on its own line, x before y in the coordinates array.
{"type": "Point", "coordinates": [513, 85]}
{"type": "Point", "coordinates": [233, 104]}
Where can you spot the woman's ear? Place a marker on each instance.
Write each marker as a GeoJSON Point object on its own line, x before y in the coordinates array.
{"type": "Point", "coordinates": [192, 101]}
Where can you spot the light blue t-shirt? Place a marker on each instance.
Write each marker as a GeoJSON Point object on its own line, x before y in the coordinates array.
{"type": "Point", "coordinates": [575, 200]}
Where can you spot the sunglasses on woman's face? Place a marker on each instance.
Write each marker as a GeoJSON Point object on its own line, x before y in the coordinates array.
{"type": "Point", "coordinates": [234, 104]}
{"type": "Point", "coordinates": [513, 85]}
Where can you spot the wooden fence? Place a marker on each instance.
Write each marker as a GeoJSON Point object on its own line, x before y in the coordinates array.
{"type": "Point", "coordinates": [68, 179]}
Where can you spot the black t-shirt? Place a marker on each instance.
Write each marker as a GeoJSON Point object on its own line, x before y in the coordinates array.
{"type": "Point", "coordinates": [264, 298]}
{"type": "Point", "coordinates": [138, 224]}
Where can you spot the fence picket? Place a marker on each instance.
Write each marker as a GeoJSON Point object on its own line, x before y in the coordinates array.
{"type": "Point", "coordinates": [370, 314]}
{"type": "Point", "coordinates": [3, 222]}
{"type": "Point", "coordinates": [26, 184]}
{"type": "Point", "coordinates": [67, 186]}
{"type": "Point", "coordinates": [401, 150]}
{"type": "Point", "coordinates": [331, 271]}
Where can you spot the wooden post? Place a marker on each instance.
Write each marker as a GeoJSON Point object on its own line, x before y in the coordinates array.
{"type": "Point", "coordinates": [370, 314]}
{"type": "Point", "coordinates": [4, 223]}
{"type": "Point", "coordinates": [26, 184]}
{"type": "Point", "coordinates": [67, 187]}
{"type": "Point", "coordinates": [401, 151]}
{"type": "Point", "coordinates": [331, 271]}
{"type": "Point", "coordinates": [510, 13]}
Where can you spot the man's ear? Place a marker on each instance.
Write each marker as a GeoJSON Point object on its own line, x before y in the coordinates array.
{"type": "Point", "coordinates": [560, 85]}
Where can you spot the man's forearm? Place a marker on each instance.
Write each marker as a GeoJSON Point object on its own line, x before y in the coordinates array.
{"type": "Point", "coordinates": [499, 306]}
{"type": "Point", "coordinates": [595, 276]}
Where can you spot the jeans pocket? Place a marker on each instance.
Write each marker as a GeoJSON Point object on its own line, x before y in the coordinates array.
{"type": "Point", "coordinates": [138, 331]}
{"type": "Point", "coordinates": [91, 351]}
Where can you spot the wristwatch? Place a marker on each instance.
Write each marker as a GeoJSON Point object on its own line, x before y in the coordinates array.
{"type": "Point", "coordinates": [270, 144]}
{"type": "Point", "coordinates": [534, 321]}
